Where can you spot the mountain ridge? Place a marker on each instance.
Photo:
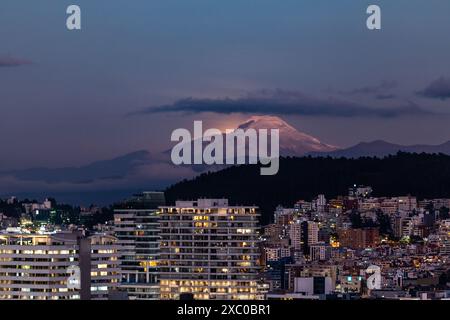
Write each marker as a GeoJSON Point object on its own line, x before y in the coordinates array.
{"type": "Point", "coordinates": [421, 175]}
{"type": "Point", "coordinates": [382, 148]}
{"type": "Point", "coordinates": [114, 168]}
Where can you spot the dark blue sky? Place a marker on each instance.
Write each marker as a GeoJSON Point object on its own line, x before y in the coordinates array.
{"type": "Point", "coordinates": [65, 95]}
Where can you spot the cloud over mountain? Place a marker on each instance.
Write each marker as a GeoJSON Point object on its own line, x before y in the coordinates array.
{"type": "Point", "coordinates": [282, 102]}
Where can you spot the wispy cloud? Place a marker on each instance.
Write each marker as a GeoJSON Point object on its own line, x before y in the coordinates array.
{"type": "Point", "coordinates": [282, 102]}
{"type": "Point", "coordinates": [8, 61]}
{"type": "Point", "coordinates": [380, 91]}
{"type": "Point", "coordinates": [387, 96]}
{"type": "Point", "coordinates": [438, 89]}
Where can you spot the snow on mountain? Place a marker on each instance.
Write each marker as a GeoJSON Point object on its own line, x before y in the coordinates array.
{"type": "Point", "coordinates": [292, 141]}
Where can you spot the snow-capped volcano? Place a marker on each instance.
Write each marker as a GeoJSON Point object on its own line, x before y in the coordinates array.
{"type": "Point", "coordinates": [292, 141]}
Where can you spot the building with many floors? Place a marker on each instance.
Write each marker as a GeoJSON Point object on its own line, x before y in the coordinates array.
{"type": "Point", "coordinates": [65, 265]}
{"type": "Point", "coordinates": [209, 249]}
{"type": "Point", "coordinates": [136, 225]}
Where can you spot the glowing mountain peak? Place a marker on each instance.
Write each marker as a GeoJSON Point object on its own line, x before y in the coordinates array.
{"type": "Point", "coordinates": [292, 141]}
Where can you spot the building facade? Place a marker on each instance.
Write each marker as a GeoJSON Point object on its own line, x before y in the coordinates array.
{"type": "Point", "coordinates": [104, 266]}
{"type": "Point", "coordinates": [359, 238]}
{"type": "Point", "coordinates": [136, 226]}
{"type": "Point", "coordinates": [57, 266]}
{"type": "Point", "coordinates": [209, 250]}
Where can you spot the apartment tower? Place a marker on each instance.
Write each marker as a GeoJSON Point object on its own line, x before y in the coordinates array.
{"type": "Point", "coordinates": [209, 250]}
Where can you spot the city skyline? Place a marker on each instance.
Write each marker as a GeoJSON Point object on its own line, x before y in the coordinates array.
{"type": "Point", "coordinates": [351, 247]}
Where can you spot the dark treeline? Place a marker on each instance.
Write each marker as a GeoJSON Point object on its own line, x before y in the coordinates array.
{"type": "Point", "coordinates": [421, 175]}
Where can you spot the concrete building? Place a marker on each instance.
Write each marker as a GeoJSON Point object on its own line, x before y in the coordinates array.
{"type": "Point", "coordinates": [403, 226]}
{"type": "Point", "coordinates": [320, 252]}
{"type": "Point", "coordinates": [407, 203]}
{"type": "Point", "coordinates": [320, 203]}
{"type": "Point", "coordinates": [64, 265]}
{"type": "Point", "coordinates": [309, 235]}
{"type": "Point", "coordinates": [359, 238]}
{"type": "Point", "coordinates": [275, 254]}
{"type": "Point", "coordinates": [366, 204]}
{"type": "Point", "coordinates": [136, 226]}
{"type": "Point", "coordinates": [310, 286]}
{"type": "Point", "coordinates": [209, 249]}
{"type": "Point", "coordinates": [104, 266]}
{"type": "Point", "coordinates": [295, 235]}
{"type": "Point", "coordinates": [389, 206]}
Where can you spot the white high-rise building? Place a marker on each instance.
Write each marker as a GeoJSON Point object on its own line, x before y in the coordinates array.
{"type": "Point", "coordinates": [209, 249]}
{"type": "Point", "coordinates": [104, 263]}
{"type": "Point", "coordinates": [321, 203]}
{"type": "Point", "coordinates": [313, 232]}
{"type": "Point", "coordinates": [295, 235]}
{"type": "Point", "coordinates": [64, 265]}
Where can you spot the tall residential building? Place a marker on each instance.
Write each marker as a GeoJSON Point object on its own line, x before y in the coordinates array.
{"type": "Point", "coordinates": [136, 225]}
{"type": "Point", "coordinates": [403, 226]}
{"type": "Point", "coordinates": [320, 203]}
{"type": "Point", "coordinates": [295, 235]}
{"type": "Point", "coordinates": [104, 266]}
{"type": "Point", "coordinates": [209, 249]}
{"type": "Point", "coordinates": [64, 265]}
{"type": "Point", "coordinates": [309, 235]}
{"type": "Point", "coordinates": [444, 237]}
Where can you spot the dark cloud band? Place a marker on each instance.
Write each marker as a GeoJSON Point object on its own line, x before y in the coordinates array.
{"type": "Point", "coordinates": [438, 89]}
{"type": "Point", "coordinates": [282, 103]}
{"type": "Point", "coordinates": [378, 90]}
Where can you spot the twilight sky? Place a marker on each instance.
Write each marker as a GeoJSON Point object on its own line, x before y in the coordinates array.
{"type": "Point", "coordinates": [121, 84]}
